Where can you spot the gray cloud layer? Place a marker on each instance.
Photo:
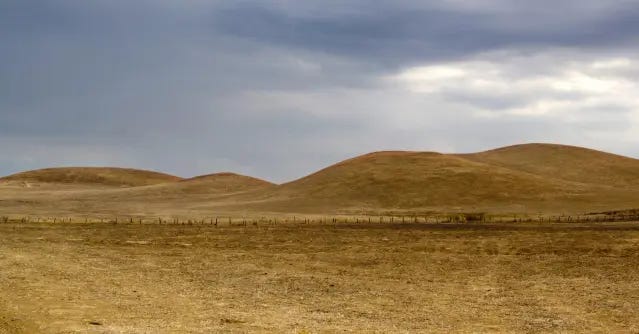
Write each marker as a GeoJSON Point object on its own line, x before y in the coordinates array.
{"type": "Point", "coordinates": [396, 34]}
{"type": "Point", "coordinates": [278, 89]}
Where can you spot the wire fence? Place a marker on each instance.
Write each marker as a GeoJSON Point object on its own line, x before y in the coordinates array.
{"type": "Point", "coordinates": [457, 218]}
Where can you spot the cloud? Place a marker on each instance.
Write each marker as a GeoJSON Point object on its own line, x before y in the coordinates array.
{"type": "Point", "coordinates": [491, 100]}
{"type": "Point", "coordinates": [278, 89]}
{"type": "Point", "coordinates": [555, 84]}
{"type": "Point", "coordinates": [394, 33]}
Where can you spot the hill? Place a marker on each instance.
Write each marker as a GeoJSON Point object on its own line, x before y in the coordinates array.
{"type": "Point", "coordinates": [105, 176]}
{"type": "Point", "coordinates": [211, 184]}
{"type": "Point", "coordinates": [530, 178]}
{"type": "Point", "coordinates": [222, 182]}
{"type": "Point", "coordinates": [563, 162]}
{"type": "Point", "coordinates": [417, 180]}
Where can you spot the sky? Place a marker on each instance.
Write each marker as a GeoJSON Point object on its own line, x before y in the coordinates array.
{"type": "Point", "coordinates": [278, 89]}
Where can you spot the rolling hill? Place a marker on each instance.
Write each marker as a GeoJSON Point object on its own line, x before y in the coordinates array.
{"type": "Point", "coordinates": [532, 178]}
{"type": "Point", "coordinates": [211, 185]}
{"type": "Point", "coordinates": [563, 162]}
{"type": "Point", "coordinates": [103, 176]}
{"type": "Point", "coordinates": [412, 180]}
{"type": "Point", "coordinates": [221, 183]}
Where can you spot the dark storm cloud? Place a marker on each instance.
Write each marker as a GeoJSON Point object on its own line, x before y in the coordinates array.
{"type": "Point", "coordinates": [396, 34]}
{"type": "Point", "coordinates": [278, 88]}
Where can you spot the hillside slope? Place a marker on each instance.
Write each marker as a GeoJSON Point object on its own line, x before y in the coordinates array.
{"type": "Point", "coordinates": [563, 162]}
{"type": "Point", "coordinates": [208, 185]}
{"type": "Point", "coordinates": [221, 182]}
{"type": "Point", "coordinates": [105, 176]}
{"type": "Point", "coordinates": [424, 180]}
{"type": "Point", "coordinates": [532, 178]}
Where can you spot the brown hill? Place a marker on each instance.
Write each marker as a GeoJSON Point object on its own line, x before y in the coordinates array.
{"type": "Point", "coordinates": [185, 197]}
{"type": "Point", "coordinates": [563, 162]}
{"type": "Point", "coordinates": [531, 178]}
{"type": "Point", "coordinates": [193, 191]}
{"type": "Point", "coordinates": [218, 183]}
{"type": "Point", "coordinates": [106, 176]}
{"type": "Point", "coordinates": [416, 180]}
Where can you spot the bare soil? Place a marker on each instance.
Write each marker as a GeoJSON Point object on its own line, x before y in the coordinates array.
{"type": "Point", "coordinates": [519, 278]}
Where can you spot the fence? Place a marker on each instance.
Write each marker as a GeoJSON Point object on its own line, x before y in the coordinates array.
{"type": "Point", "coordinates": [460, 218]}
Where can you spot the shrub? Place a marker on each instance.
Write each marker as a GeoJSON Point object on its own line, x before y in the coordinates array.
{"type": "Point", "coordinates": [475, 217]}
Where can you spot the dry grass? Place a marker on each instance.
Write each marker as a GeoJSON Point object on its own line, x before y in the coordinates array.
{"type": "Point", "coordinates": [526, 179]}
{"type": "Point", "coordinates": [212, 184]}
{"type": "Point", "coordinates": [523, 178]}
{"type": "Point", "coordinates": [566, 163]}
{"type": "Point", "coordinates": [296, 278]}
{"type": "Point", "coordinates": [100, 176]}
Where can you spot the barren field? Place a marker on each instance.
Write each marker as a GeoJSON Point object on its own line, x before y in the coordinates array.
{"type": "Point", "coordinates": [104, 278]}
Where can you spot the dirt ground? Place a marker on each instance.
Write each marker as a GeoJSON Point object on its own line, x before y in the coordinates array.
{"type": "Point", "coordinates": [104, 278]}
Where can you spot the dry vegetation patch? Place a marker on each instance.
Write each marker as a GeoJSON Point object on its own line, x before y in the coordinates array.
{"type": "Point", "coordinates": [295, 278]}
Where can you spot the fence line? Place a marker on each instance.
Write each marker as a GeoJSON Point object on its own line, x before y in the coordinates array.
{"type": "Point", "coordinates": [333, 220]}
